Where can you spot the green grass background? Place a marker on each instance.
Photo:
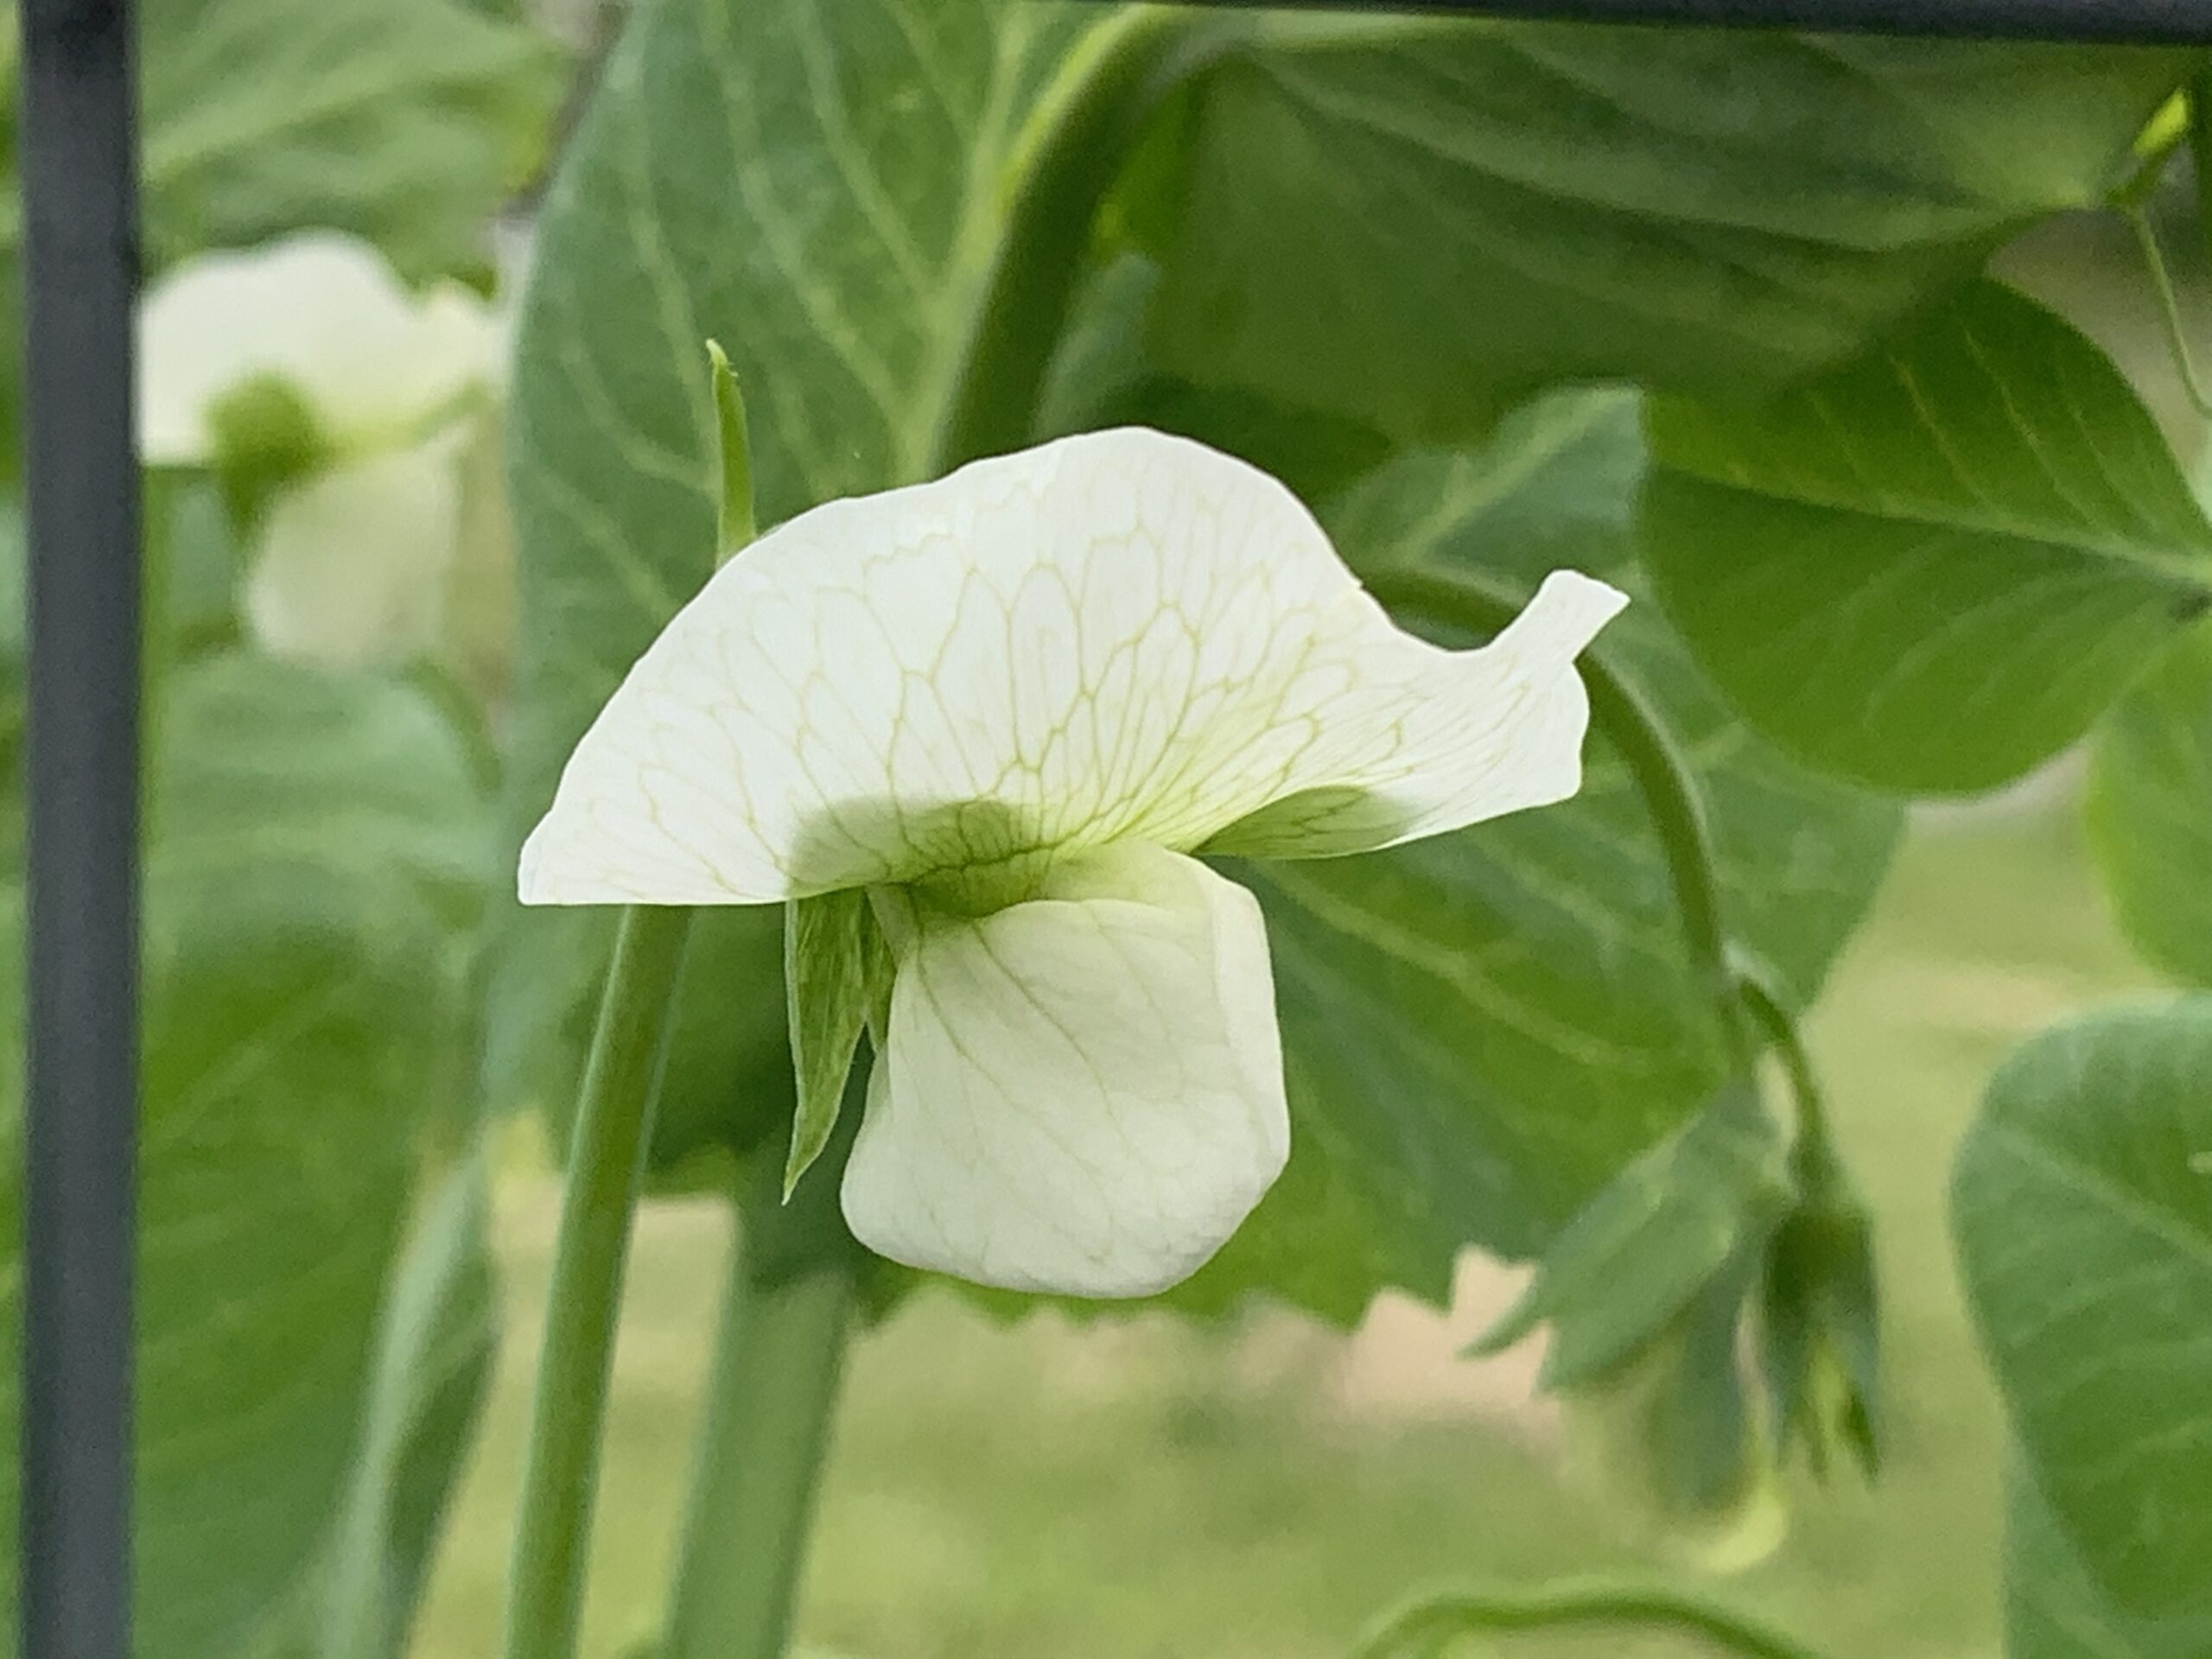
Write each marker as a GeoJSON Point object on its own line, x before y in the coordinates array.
{"type": "Point", "coordinates": [1137, 1489]}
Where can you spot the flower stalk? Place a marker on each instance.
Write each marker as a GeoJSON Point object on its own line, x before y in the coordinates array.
{"type": "Point", "coordinates": [786, 1321]}
{"type": "Point", "coordinates": [607, 1158]}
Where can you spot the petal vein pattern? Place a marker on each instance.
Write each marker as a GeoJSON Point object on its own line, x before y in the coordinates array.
{"type": "Point", "coordinates": [1117, 637]}
{"type": "Point", "coordinates": [1082, 1092]}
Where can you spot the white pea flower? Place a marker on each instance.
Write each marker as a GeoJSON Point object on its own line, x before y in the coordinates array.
{"type": "Point", "coordinates": [343, 403]}
{"type": "Point", "coordinates": [1010, 706]}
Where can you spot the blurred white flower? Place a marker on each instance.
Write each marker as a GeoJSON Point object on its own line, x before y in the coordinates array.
{"type": "Point", "coordinates": [339, 404]}
{"type": "Point", "coordinates": [1010, 706]}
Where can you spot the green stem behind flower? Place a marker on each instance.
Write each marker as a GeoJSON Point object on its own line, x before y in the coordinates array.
{"type": "Point", "coordinates": [1432, 1622]}
{"type": "Point", "coordinates": [606, 1167]}
{"type": "Point", "coordinates": [786, 1319]}
{"type": "Point", "coordinates": [1072, 153]}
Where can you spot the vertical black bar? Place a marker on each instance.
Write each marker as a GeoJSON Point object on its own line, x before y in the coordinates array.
{"type": "Point", "coordinates": [80, 271]}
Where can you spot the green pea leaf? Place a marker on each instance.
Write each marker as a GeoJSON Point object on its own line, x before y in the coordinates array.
{"type": "Point", "coordinates": [817, 189]}
{"type": "Point", "coordinates": [2082, 1204]}
{"type": "Point", "coordinates": [2149, 802]}
{"type": "Point", "coordinates": [1417, 223]}
{"type": "Point", "coordinates": [310, 840]}
{"type": "Point", "coordinates": [1481, 1031]}
{"type": "Point", "coordinates": [2055, 1609]}
{"type": "Point", "coordinates": [1933, 569]}
{"type": "Point", "coordinates": [404, 121]}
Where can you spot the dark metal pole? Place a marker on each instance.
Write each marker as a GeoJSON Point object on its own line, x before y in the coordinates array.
{"type": "Point", "coordinates": [80, 1104]}
{"type": "Point", "coordinates": [2145, 22]}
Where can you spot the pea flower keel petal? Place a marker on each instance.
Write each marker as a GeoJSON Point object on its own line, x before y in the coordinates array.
{"type": "Point", "coordinates": [1082, 1092]}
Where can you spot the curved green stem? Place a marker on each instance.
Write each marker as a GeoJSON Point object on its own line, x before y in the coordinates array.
{"type": "Point", "coordinates": [1073, 152]}
{"type": "Point", "coordinates": [1775, 1023]}
{"type": "Point", "coordinates": [1552, 1606]}
{"type": "Point", "coordinates": [1663, 778]}
{"type": "Point", "coordinates": [2154, 261]}
{"type": "Point", "coordinates": [787, 1316]}
{"type": "Point", "coordinates": [606, 1167]}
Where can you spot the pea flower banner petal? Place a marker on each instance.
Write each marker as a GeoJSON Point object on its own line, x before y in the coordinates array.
{"type": "Point", "coordinates": [1010, 704]}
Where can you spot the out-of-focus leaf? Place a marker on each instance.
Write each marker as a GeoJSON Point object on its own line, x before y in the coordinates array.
{"type": "Point", "coordinates": [1417, 222]}
{"type": "Point", "coordinates": [1933, 569]}
{"type": "Point", "coordinates": [2054, 1609]}
{"type": "Point", "coordinates": [1641, 1251]}
{"type": "Point", "coordinates": [311, 842]}
{"type": "Point", "coordinates": [2149, 802]}
{"type": "Point", "coordinates": [405, 121]}
{"type": "Point", "coordinates": [2082, 1205]}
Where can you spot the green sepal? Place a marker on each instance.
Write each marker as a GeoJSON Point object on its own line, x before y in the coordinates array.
{"type": "Point", "coordinates": [838, 973]}
{"type": "Point", "coordinates": [736, 524]}
{"type": "Point", "coordinates": [266, 439]}
{"type": "Point", "coordinates": [1819, 1344]}
{"type": "Point", "coordinates": [1644, 1248]}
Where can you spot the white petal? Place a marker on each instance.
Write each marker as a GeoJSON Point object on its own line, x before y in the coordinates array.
{"type": "Point", "coordinates": [1429, 739]}
{"type": "Point", "coordinates": [318, 311]}
{"type": "Point", "coordinates": [1082, 1093]}
{"type": "Point", "coordinates": [1122, 635]}
{"type": "Point", "coordinates": [352, 565]}
{"type": "Point", "coordinates": [1100, 637]}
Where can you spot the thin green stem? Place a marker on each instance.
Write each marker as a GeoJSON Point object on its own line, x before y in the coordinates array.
{"type": "Point", "coordinates": [1073, 152]}
{"type": "Point", "coordinates": [2154, 261]}
{"type": "Point", "coordinates": [1662, 778]}
{"type": "Point", "coordinates": [1553, 1606]}
{"type": "Point", "coordinates": [606, 1167]}
{"type": "Point", "coordinates": [1775, 1023]}
{"type": "Point", "coordinates": [786, 1317]}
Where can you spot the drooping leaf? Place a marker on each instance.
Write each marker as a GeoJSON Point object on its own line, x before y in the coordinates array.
{"type": "Point", "coordinates": [2082, 1205]}
{"type": "Point", "coordinates": [1637, 1255]}
{"type": "Point", "coordinates": [309, 838]}
{"type": "Point", "coordinates": [1934, 567]}
{"type": "Point", "coordinates": [2055, 1609]}
{"type": "Point", "coordinates": [1418, 222]}
{"type": "Point", "coordinates": [818, 190]}
{"type": "Point", "coordinates": [1480, 1031]}
{"type": "Point", "coordinates": [2149, 802]}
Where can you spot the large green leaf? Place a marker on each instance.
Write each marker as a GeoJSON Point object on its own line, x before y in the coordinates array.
{"type": "Point", "coordinates": [819, 189]}
{"type": "Point", "coordinates": [2054, 1609]}
{"type": "Point", "coordinates": [2082, 1205]}
{"type": "Point", "coordinates": [1934, 567]}
{"type": "Point", "coordinates": [2150, 810]}
{"type": "Point", "coordinates": [1481, 1030]}
{"type": "Point", "coordinates": [308, 841]}
{"type": "Point", "coordinates": [1418, 222]}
